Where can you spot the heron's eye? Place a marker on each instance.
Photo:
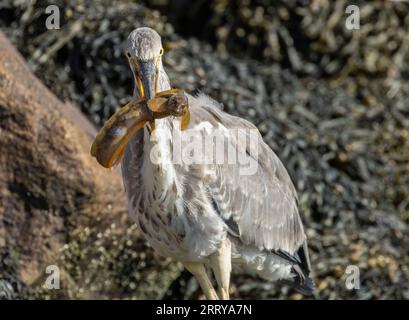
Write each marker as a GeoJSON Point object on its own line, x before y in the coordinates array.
{"type": "Point", "coordinates": [161, 51]}
{"type": "Point", "coordinates": [128, 54]}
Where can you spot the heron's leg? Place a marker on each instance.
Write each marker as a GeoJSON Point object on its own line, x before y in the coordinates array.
{"type": "Point", "coordinates": [199, 271]}
{"type": "Point", "coordinates": [220, 262]}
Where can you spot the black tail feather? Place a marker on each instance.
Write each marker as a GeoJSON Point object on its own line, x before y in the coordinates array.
{"type": "Point", "coordinates": [304, 284]}
{"type": "Point", "coordinates": [301, 283]}
{"type": "Point", "coordinates": [301, 269]}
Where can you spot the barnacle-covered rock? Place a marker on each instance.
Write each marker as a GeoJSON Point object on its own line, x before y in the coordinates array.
{"type": "Point", "coordinates": [59, 207]}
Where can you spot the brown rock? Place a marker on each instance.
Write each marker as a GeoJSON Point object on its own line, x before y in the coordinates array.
{"type": "Point", "coordinates": [49, 184]}
{"type": "Point", "coordinates": [58, 206]}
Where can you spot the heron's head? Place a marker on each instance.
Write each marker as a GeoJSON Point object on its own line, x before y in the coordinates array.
{"type": "Point", "coordinates": [144, 51]}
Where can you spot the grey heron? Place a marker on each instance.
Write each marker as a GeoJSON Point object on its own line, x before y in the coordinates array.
{"type": "Point", "coordinates": [209, 215]}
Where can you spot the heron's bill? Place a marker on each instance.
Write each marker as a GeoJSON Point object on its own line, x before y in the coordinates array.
{"type": "Point", "coordinates": [110, 143]}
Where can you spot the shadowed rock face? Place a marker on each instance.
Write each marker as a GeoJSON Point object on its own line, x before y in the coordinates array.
{"type": "Point", "coordinates": [54, 195]}
{"type": "Point", "coordinates": [48, 183]}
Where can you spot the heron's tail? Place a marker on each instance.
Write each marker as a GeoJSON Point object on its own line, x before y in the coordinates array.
{"type": "Point", "coordinates": [302, 281]}
{"type": "Point", "coordinates": [301, 268]}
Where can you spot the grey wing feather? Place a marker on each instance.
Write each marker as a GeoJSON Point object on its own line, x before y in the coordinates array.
{"type": "Point", "coordinates": [260, 208]}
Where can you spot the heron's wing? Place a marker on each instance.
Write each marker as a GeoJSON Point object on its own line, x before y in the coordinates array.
{"type": "Point", "coordinates": [259, 207]}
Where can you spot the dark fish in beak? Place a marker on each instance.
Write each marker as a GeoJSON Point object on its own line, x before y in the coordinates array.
{"type": "Point", "coordinates": [110, 143]}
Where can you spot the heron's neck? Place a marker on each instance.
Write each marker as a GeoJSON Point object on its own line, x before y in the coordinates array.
{"type": "Point", "coordinates": [163, 79]}
{"type": "Point", "coordinates": [162, 85]}
{"type": "Point", "coordinates": [158, 145]}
